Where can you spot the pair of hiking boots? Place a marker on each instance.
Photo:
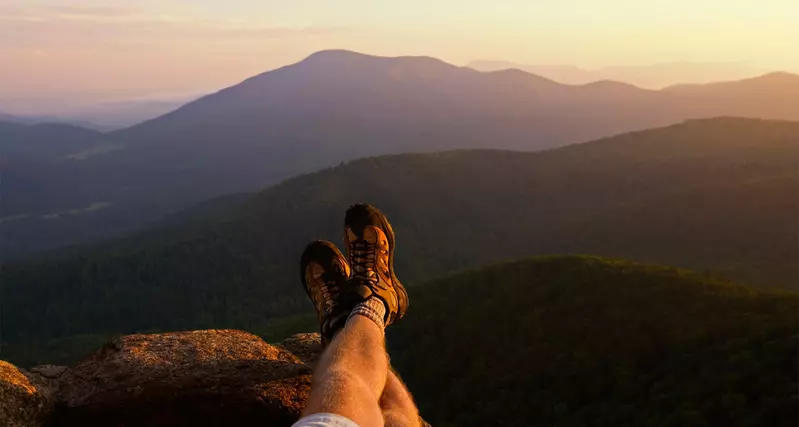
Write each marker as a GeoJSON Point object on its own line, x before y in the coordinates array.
{"type": "Point", "coordinates": [336, 284]}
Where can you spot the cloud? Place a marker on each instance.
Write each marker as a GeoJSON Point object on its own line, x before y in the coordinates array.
{"type": "Point", "coordinates": [66, 23]}
{"type": "Point", "coordinates": [95, 11]}
{"type": "Point", "coordinates": [74, 28]}
{"type": "Point", "coordinates": [23, 14]}
{"type": "Point", "coordinates": [62, 13]}
{"type": "Point", "coordinates": [237, 31]}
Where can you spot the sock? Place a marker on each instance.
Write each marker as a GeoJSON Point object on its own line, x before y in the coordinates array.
{"type": "Point", "coordinates": [373, 309]}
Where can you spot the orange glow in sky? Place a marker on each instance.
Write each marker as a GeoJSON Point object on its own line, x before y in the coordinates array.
{"type": "Point", "coordinates": [113, 49]}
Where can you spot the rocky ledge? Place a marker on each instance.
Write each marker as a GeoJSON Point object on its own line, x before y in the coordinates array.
{"type": "Point", "coordinates": [199, 378]}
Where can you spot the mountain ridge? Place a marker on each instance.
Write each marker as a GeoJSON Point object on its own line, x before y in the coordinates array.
{"type": "Point", "coordinates": [339, 57]}
{"type": "Point", "coordinates": [311, 115]}
{"type": "Point", "coordinates": [774, 77]}
{"type": "Point", "coordinates": [655, 76]}
{"type": "Point", "coordinates": [451, 211]}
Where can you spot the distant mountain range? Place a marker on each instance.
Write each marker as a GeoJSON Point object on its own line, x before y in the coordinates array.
{"type": "Point", "coordinates": [717, 195]}
{"type": "Point", "coordinates": [36, 120]}
{"type": "Point", "coordinates": [332, 107]}
{"type": "Point", "coordinates": [656, 76]}
{"type": "Point", "coordinates": [102, 115]}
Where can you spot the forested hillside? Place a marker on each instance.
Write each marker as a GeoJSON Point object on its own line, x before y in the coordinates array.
{"type": "Point", "coordinates": [576, 341]}
{"type": "Point", "coordinates": [714, 195]}
{"type": "Point", "coordinates": [583, 341]}
{"type": "Point", "coordinates": [737, 230]}
{"type": "Point", "coordinates": [336, 106]}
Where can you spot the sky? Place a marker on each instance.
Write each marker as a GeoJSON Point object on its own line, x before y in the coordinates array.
{"type": "Point", "coordinates": [103, 50]}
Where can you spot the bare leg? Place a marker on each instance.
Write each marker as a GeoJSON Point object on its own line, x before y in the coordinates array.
{"type": "Point", "coordinates": [351, 374]}
{"type": "Point", "coordinates": [397, 404]}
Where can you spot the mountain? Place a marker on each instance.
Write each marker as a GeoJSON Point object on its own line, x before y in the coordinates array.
{"type": "Point", "coordinates": [50, 139]}
{"type": "Point", "coordinates": [106, 116]}
{"type": "Point", "coordinates": [49, 194]}
{"type": "Point", "coordinates": [8, 118]}
{"type": "Point", "coordinates": [37, 120]}
{"type": "Point", "coordinates": [115, 115]}
{"type": "Point", "coordinates": [334, 99]}
{"type": "Point", "coordinates": [336, 106]}
{"type": "Point", "coordinates": [575, 341]}
{"type": "Point", "coordinates": [714, 195]}
{"type": "Point", "coordinates": [767, 84]}
{"type": "Point", "coordinates": [657, 76]}
{"type": "Point", "coordinates": [732, 227]}
{"type": "Point", "coordinates": [701, 99]}
{"type": "Point", "coordinates": [36, 178]}
{"type": "Point", "coordinates": [565, 74]}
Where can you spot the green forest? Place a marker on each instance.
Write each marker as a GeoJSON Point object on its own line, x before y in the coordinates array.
{"type": "Point", "coordinates": [586, 341]}
{"type": "Point", "coordinates": [577, 341]}
{"type": "Point", "coordinates": [712, 195]}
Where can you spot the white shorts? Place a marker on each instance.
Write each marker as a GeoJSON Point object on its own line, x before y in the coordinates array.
{"type": "Point", "coordinates": [325, 420]}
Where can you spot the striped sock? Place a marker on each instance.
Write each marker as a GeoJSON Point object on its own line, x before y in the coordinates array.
{"type": "Point", "coordinates": [373, 309]}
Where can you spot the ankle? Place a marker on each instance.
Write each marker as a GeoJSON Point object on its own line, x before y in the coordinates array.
{"type": "Point", "coordinates": [373, 309]}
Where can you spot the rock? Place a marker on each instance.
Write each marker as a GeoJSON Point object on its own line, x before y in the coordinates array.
{"type": "Point", "coordinates": [46, 379]}
{"type": "Point", "coordinates": [22, 402]}
{"type": "Point", "coordinates": [307, 347]}
{"type": "Point", "coordinates": [49, 371]}
{"type": "Point", "coordinates": [201, 378]}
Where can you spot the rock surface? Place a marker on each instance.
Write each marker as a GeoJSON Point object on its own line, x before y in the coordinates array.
{"type": "Point", "coordinates": [307, 347]}
{"type": "Point", "coordinates": [23, 402]}
{"type": "Point", "coordinates": [215, 377]}
{"type": "Point", "coordinates": [51, 372]}
{"type": "Point", "coordinates": [198, 378]}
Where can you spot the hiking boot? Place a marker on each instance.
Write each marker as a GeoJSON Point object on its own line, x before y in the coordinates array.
{"type": "Point", "coordinates": [370, 249]}
{"type": "Point", "coordinates": [325, 274]}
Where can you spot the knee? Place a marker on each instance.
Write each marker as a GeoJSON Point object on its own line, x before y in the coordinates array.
{"type": "Point", "coordinates": [342, 382]}
{"type": "Point", "coordinates": [340, 392]}
{"type": "Point", "coordinates": [399, 419]}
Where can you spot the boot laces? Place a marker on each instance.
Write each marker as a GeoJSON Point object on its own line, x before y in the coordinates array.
{"type": "Point", "coordinates": [330, 287]}
{"type": "Point", "coordinates": [363, 256]}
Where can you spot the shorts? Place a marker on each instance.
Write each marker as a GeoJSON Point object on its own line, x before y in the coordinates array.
{"type": "Point", "coordinates": [325, 420]}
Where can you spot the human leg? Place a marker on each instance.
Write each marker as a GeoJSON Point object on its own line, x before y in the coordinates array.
{"type": "Point", "coordinates": [397, 405]}
{"type": "Point", "coordinates": [352, 373]}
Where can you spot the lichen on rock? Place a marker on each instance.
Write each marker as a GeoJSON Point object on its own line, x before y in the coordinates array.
{"type": "Point", "coordinates": [23, 402]}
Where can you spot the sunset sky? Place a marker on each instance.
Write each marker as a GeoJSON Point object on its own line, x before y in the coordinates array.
{"type": "Point", "coordinates": [114, 49]}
